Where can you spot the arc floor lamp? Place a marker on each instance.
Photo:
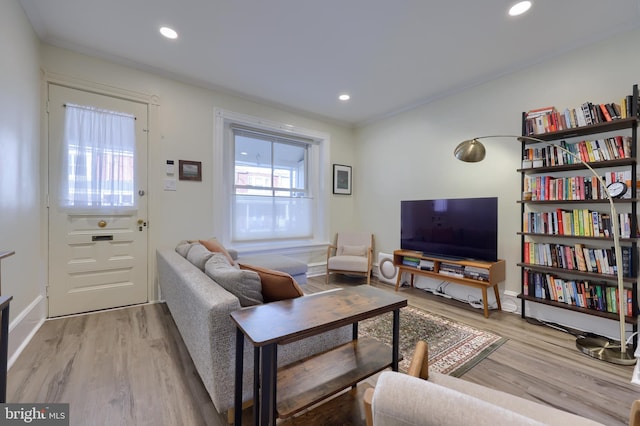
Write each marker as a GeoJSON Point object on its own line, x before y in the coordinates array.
{"type": "Point", "coordinates": [472, 151]}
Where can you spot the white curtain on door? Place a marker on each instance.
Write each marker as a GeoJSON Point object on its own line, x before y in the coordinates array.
{"type": "Point", "coordinates": [98, 159]}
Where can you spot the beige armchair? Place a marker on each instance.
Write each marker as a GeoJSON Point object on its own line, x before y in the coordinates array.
{"type": "Point", "coordinates": [352, 254]}
{"type": "Point", "coordinates": [424, 398]}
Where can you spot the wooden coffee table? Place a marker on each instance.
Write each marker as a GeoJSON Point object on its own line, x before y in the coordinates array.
{"type": "Point", "coordinates": [311, 380]}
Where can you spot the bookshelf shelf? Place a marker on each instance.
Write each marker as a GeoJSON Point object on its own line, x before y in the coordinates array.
{"type": "Point", "coordinates": [610, 126]}
{"type": "Point", "coordinates": [567, 167]}
{"type": "Point", "coordinates": [608, 315]}
{"type": "Point", "coordinates": [617, 201]}
{"type": "Point", "coordinates": [567, 272]}
{"type": "Point", "coordinates": [553, 177]}
{"type": "Point", "coordinates": [492, 273]}
{"type": "Point", "coordinates": [582, 237]}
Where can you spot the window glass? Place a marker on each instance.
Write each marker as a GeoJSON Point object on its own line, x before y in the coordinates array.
{"type": "Point", "coordinates": [271, 196]}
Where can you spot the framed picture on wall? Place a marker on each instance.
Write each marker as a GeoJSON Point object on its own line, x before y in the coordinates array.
{"type": "Point", "coordinates": [190, 170]}
{"type": "Point", "coordinates": [341, 179]}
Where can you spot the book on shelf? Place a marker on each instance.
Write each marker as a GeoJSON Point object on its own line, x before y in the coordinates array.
{"type": "Point", "coordinates": [576, 222]}
{"type": "Point", "coordinates": [426, 265]}
{"type": "Point", "coordinates": [549, 119]}
{"type": "Point", "coordinates": [410, 261]}
{"type": "Point", "coordinates": [452, 270]}
{"type": "Point", "coordinates": [476, 273]}
{"type": "Point", "coordinates": [570, 188]}
{"type": "Point", "coordinates": [578, 258]}
{"type": "Point", "coordinates": [579, 293]}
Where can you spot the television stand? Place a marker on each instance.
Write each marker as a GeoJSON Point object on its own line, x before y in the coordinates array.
{"type": "Point", "coordinates": [472, 273]}
{"type": "Point", "coordinates": [427, 255]}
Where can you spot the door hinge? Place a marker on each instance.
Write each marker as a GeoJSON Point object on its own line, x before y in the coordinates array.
{"type": "Point", "coordinates": [145, 130]}
{"type": "Point", "coordinates": [47, 107]}
{"type": "Point", "coordinates": [46, 291]}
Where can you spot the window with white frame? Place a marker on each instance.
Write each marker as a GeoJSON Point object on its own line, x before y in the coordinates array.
{"type": "Point", "coordinates": [272, 178]}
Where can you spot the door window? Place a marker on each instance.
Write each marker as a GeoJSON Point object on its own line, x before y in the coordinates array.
{"type": "Point", "coordinates": [98, 159]}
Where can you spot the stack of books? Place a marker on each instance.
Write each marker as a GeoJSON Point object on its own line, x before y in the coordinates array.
{"type": "Point", "coordinates": [476, 273]}
{"type": "Point", "coordinates": [426, 265]}
{"type": "Point", "coordinates": [452, 270]}
{"type": "Point", "coordinates": [549, 119]}
{"type": "Point", "coordinates": [414, 262]}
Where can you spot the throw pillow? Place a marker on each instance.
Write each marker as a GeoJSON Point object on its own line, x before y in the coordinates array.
{"type": "Point", "coordinates": [354, 250]}
{"type": "Point", "coordinates": [245, 285]}
{"type": "Point", "coordinates": [183, 247]}
{"type": "Point", "coordinates": [214, 246]}
{"type": "Point", "coordinates": [198, 255]}
{"type": "Point", "coordinates": [276, 285]}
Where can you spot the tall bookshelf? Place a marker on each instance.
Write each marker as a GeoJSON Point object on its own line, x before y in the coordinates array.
{"type": "Point", "coordinates": [555, 189]}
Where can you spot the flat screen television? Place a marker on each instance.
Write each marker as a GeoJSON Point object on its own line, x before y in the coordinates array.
{"type": "Point", "coordinates": [460, 228]}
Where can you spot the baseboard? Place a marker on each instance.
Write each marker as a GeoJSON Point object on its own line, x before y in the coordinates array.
{"type": "Point", "coordinates": [316, 269]}
{"type": "Point", "coordinates": [24, 327]}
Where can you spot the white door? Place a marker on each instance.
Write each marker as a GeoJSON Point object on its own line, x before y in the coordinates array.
{"type": "Point", "coordinates": [97, 244]}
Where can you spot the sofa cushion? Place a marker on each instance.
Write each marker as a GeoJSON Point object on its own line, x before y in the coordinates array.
{"type": "Point", "coordinates": [352, 250]}
{"type": "Point", "coordinates": [183, 247]}
{"type": "Point", "coordinates": [243, 284]}
{"type": "Point", "coordinates": [276, 285]}
{"type": "Point", "coordinates": [276, 262]}
{"type": "Point", "coordinates": [213, 245]}
{"type": "Point", "coordinates": [348, 263]}
{"type": "Point", "coordinates": [198, 255]}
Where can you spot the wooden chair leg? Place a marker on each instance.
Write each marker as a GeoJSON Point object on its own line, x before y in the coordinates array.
{"type": "Point", "coordinates": [634, 417]}
{"type": "Point", "coordinates": [368, 399]}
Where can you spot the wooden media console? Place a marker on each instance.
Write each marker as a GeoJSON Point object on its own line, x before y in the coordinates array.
{"type": "Point", "coordinates": [437, 268]}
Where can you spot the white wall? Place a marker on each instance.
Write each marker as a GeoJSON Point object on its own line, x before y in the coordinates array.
{"type": "Point", "coordinates": [184, 130]}
{"type": "Point", "coordinates": [21, 213]}
{"type": "Point", "coordinates": [410, 156]}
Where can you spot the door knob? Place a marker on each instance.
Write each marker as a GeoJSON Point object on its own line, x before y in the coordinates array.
{"type": "Point", "coordinates": [102, 224]}
{"type": "Point", "coordinates": [140, 221]}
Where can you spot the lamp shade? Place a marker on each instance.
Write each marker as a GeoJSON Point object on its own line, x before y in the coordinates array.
{"type": "Point", "coordinates": [470, 151]}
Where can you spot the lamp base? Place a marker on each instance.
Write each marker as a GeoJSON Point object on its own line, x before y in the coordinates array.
{"type": "Point", "coordinates": [605, 350]}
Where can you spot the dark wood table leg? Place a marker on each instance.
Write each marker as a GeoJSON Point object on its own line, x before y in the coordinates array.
{"type": "Point", "coordinates": [256, 385]}
{"type": "Point", "coordinates": [238, 379]}
{"type": "Point", "coordinates": [268, 387]}
{"type": "Point", "coordinates": [395, 356]}
{"type": "Point", "coordinates": [354, 336]}
{"type": "Point", "coordinates": [4, 349]}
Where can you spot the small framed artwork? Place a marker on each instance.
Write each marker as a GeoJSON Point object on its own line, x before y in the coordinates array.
{"type": "Point", "coordinates": [341, 179]}
{"type": "Point", "coordinates": [190, 170]}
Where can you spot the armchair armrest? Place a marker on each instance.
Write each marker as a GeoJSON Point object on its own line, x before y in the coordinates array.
{"type": "Point", "coordinates": [367, 399]}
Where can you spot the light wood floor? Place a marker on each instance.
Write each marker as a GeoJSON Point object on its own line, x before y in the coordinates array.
{"type": "Point", "coordinates": [130, 367]}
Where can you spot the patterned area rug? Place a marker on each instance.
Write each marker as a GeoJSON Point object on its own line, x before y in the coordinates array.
{"type": "Point", "coordinates": [454, 348]}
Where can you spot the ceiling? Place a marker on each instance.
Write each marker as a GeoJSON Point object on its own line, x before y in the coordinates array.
{"type": "Point", "coordinates": [389, 55]}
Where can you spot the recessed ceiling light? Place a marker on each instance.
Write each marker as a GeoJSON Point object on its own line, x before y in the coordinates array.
{"type": "Point", "coordinates": [168, 32]}
{"type": "Point", "coordinates": [344, 97]}
{"type": "Point", "coordinates": [519, 8]}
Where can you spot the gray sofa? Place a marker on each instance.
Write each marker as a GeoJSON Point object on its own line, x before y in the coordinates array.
{"type": "Point", "coordinates": [200, 308]}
